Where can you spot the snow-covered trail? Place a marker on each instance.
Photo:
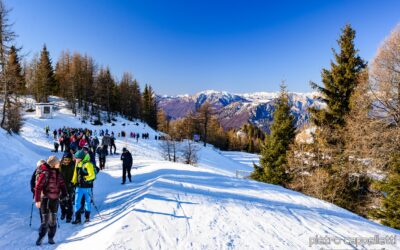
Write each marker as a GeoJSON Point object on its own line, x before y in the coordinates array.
{"type": "Point", "coordinates": [171, 205]}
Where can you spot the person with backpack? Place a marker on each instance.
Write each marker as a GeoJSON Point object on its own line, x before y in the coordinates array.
{"type": "Point", "coordinates": [102, 152]}
{"type": "Point", "coordinates": [82, 142]}
{"type": "Point", "coordinates": [126, 158]}
{"type": "Point", "coordinates": [106, 141]}
{"type": "Point", "coordinates": [92, 155]}
{"type": "Point", "coordinates": [94, 143]}
{"type": "Point", "coordinates": [49, 185]}
{"type": "Point", "coordinates": [33, 182]}
{"type": "Point", "coordinates": [67, 168]}
{"type": "Point", "coordinates": [84, 175]}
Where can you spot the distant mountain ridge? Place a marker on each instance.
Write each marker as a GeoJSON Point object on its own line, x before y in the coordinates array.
{"type": "Point", "coordinates": [234, 110]}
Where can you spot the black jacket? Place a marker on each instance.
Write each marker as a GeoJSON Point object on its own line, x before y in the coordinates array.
{"type": "Point", "coordinates": [126, 158]}
{"type": "Point", "coordinates": [102, 152]}
{"type": "Point", "coordinates": [67, 172]}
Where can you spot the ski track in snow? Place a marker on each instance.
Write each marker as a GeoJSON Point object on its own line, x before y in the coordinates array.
{"type": "Point", "coordinates": [169, 205]}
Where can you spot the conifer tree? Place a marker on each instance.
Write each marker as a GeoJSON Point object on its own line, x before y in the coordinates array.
{"type": "Point", "coordinates": [14, 73]}
{"type": "Point", "coordinates": [12, 118]}
{"type": "Point", "coordinates": [389, 212]}
{"type": "Point", "coordinates": [103, 91]}
{"type": "Point", "coordinates": [153, 109]}
{"type": "Point", "coordinates": [45, 81]}
{"type": "Point", "coordinates": [7, 37]}
{"type": "Point", "coordinates": [204, 117]}
{"type": "Point", "coordinates": [274, 150]}
{"type": "Point", "coordinates": [136, 102]}
{"type": "Point", "coordinates": [149, 112]}
{"type": "Point", "coordinates": [146, 104]}
{"type": "Point", "coordinates": [338, 82]}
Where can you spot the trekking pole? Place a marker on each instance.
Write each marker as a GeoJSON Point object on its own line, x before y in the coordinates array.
{"type": "Point", "coordinates": [30, 220]}
{"type": "Point", "coordinates": [92, 200]}
{"type": "Point", "coordinates": [58, 224]}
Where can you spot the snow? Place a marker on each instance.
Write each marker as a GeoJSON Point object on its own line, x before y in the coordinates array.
{"type": "Point", "coordinates": [170, 205]}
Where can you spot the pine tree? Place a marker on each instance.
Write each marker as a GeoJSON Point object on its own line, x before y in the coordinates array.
{"type": "Point", "coordinates": [12, 119]}
{"type": "Point", "coordinates": [14, 73]}
{"type": "Point", "coordinates": [389, 212]}
{"type": "Point", "coordinates": [136, 102]}
{"type": "Point", "coordinates": [276, 145]}
{"type": "Point", "coordinates": [204, 117]}
{"type": "Point", "coordinates": [45, 81]}
{"type": "Point", "coordinates": [153, 109]}
{"type": "Point", "coordinates": [338, 82]}
{"type": "Point", "coordinates": [104, 86]}
{"type": "Point", "coordinates": [7, 36]}
{"type": "Point", "coordinates": [163, 121]}
{"type": "Point", "coordinates": [146, 104]}
{"type": "Point", "coordinates": [149, 112]}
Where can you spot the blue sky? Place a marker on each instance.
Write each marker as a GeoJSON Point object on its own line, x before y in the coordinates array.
{"type": "Point", "coordinates": [187, 46]}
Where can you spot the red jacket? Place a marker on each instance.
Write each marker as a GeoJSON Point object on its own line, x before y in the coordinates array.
{"type": "Point", "coordinates": [50, 182]}
{"type": "Point", "coordinates": [82, 142]}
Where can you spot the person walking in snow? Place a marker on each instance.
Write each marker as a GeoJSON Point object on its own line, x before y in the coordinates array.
{"type": "Point", "coordinates": [47, 129]}
{"type": "Point", "coordinates": [106, 141]}
{"type": "Point", "coordinates": [126, 158]}
{"type": "Point", "coordinates": [102, 152]}
{"type": "Point", "coordinates": [67, 168]}
{"type": "Point", "coordinates": [112, 143]}
{"type": "Point", "coordinates": [83, 178]}
{"type": "Point", "coordinates": [94, 143]}
{"type": "Point", "coordinates": [82, 142]}
{"type": "Point", "coordinates": [48, 187]}
{"type": "Point", "coordinates": [33, 182]}
{"type": "Point", "coordinates": [56, 145]}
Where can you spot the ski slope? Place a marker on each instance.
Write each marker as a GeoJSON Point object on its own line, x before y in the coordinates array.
{"type": "Point", "coordinates": [171, 205]}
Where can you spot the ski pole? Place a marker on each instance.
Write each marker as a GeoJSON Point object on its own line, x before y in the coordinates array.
{"type": "Point", "coordinates": [58, 224]}
{"type": "Point", "coordinates": [92, 200]}
{"type": "Point", "coordinates": [30, 220]}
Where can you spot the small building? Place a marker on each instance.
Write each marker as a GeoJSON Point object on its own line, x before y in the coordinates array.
{"type": "Point", "coordinates": [44, 110]}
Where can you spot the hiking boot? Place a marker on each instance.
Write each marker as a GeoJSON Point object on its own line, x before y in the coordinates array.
{"type": "Point", "coordinates": [122, 183]}
{"type": "Point", "coordinates": [87, 217]}
{"type": "Point", "coordinates": [68, 220]}
{"type": "Point", "coordinates": [77, 218]}
{"type": "Point", "coordinates": [51, 241]}
{"type": "Point", "coordinates": [39, 240]}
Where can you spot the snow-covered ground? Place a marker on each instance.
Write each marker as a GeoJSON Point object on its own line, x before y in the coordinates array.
{"type": "Point", "coordinates": [172, 205]}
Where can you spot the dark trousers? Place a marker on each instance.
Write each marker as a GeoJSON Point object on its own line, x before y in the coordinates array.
{"type": "Point", "coordinates": [125, 170]}
{"type": "Point", "coordinates": [111, 147]}
{"type": "Point", "coordinates": [48, 209]}
{"type": "Point", "coordinates": [62, 146]}
{"type": "Point", "coordinates": [67, 206]}
{"type": "Point", "coordinates": [102, 161]}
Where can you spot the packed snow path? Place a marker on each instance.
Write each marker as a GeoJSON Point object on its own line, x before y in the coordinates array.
{"type": "Point", "coordinates": [171, 205]}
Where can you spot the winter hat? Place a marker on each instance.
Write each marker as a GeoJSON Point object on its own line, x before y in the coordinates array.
{"type": "Point", "coordinates": [79, 154]}
{"type": "Point", "coordinates": [53, 161]}
{"type": "Point", "coordinates": [86, 147]}
{"type": "Point", "coordinates": [40, 163]}
{"type": "Point", "coordinates": [123, 149]}
{"type": "Point", "coordinates": [67, 155]}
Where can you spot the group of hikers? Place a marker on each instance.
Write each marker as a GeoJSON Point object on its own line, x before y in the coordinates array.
{"type": "Point", "coordinates": [68, 182]}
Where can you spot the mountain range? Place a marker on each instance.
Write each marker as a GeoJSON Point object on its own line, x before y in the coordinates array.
{"type": "Point", "coordinates": [234, 110]}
